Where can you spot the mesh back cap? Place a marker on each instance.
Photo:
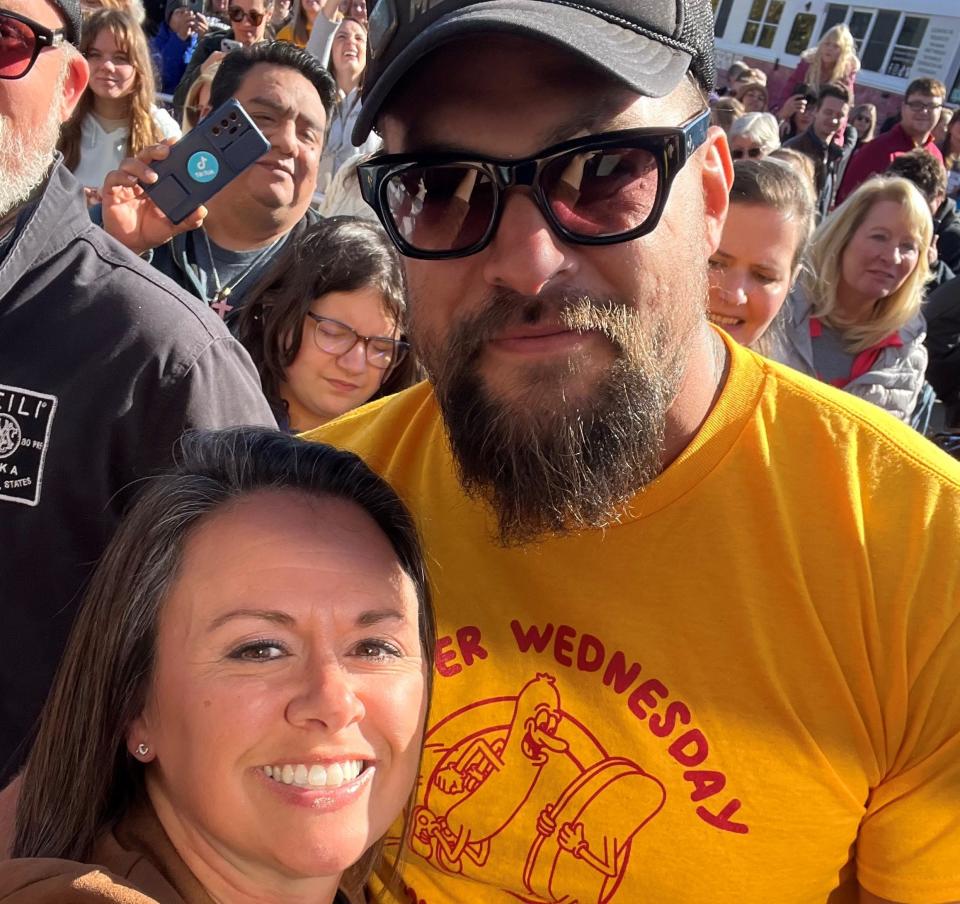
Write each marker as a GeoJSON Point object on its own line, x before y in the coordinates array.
{"type": "Point", "coordinates": [647, 44]}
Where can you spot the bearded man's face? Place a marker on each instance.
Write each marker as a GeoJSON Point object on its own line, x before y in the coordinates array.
{"type": "Point", "coordinates": [554, 364]}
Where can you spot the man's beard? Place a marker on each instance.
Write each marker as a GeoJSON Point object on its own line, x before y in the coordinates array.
{"type": "Point", "coordinates": [550, 462]}
{"type": "Point", "coordinates": [26, 156]}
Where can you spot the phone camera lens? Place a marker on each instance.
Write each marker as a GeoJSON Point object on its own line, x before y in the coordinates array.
{"type": "Point", "coordinates": [233, 115]}
{"type": "Point", "coordinates": [215, 130]}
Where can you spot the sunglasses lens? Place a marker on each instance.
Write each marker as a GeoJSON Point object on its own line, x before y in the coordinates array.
{"type": "Point", "coordinates": [255, 17]}
{"type": "Point", "coordinates": [17, 45]}
{"type": "Point", "coordinates": [602, 192]}
{"type": "Point", "coordinates": [441, 208]}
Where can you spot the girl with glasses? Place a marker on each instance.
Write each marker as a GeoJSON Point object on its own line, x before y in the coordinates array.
{"type": "Point", "coordinates": [116, 116]}
{"type": "Point", "coordinates": [324, 327]}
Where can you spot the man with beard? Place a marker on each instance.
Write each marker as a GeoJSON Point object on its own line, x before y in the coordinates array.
{"type": "Point", "coordinates": [698, 615]}
{"type": "Point", "coordinates": [103, 364]}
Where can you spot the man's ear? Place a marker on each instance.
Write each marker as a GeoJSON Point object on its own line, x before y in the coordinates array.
{"type": "Point", "coordinates": [78, 74]}
{"type": "Point", "coordinates": [717, 175]}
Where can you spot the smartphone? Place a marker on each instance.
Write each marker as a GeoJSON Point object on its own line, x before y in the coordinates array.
{"type": "Point", "coordinates": [228, 44]}
{"type": "Point", "coordinates": [211, 155]}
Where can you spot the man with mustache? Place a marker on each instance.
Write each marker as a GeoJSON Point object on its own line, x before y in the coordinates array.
{"type": "Point", "coordinates": [219, 253]}
{"type": "Point", "coordinates": [741, 584]}
{"type": "Point", "coordinates": [103, 365]}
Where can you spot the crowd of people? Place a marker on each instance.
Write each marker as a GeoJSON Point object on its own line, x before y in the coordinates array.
{"type": "Point", "coordinates": [514, 484]}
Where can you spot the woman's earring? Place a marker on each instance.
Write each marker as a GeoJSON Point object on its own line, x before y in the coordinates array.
{"type": "Point", "coordinates": [142, 749]}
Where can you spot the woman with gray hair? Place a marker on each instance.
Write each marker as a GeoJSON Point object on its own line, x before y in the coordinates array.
{"type": "Point", "coordinates": [754, 135]}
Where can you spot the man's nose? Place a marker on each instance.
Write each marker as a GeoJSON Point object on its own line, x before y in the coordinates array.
{"type": "Point", "coordinates": [525, 255]}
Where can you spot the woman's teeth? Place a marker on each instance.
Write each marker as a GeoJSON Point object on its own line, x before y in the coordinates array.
{"type": "Point", "coordinates": [316, 776]}
{"type": "Point", "coordinates": [722, 320]}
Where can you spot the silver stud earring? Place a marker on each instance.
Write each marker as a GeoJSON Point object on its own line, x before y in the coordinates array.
{"type": "Point", "coordinates": [142, 749]}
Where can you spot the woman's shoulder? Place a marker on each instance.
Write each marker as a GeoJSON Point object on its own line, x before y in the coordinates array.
{"type": "Point", "coordinates": [39, 880]}
{"type": "Point", "coordinates": [286, 33]}
{"type": "Point", "coordinates": [167, 125]}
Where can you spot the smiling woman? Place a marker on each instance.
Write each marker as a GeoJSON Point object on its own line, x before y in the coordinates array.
{"type": "Point", "coordinates": [242, 721]}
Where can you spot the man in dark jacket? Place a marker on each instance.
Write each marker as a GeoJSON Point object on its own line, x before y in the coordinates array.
{"type": "Point", "coordinates": [942, 312]}
{"type": "Point", "coordinates": [103, 364]}
{"type": "Point", "coordinates": [219, 258]}
{"type": "Point", "coordinates": [817, 143]}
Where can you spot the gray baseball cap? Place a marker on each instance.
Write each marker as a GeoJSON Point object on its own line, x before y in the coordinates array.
{"type": "Point", "coordinates": [647, 44]}
{"type": "Point", "coordinates": [73, 16]}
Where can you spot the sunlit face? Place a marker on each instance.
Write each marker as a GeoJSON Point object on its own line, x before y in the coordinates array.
{"type": "Point", "coordinates": [112, 73]}
{"type": "Point", "coordinates": [349, 52]}
{"type": "Point", "coordinates": [863, 122]}
{"type": "Point", "coordinates": [752, 270]}
{"type": "Point", "coordinates": [830, 113]}
{"type": "Point", "coordinates": [245, 31]}
{"type": "Point", "coordinates": [830, 51]}
{"type": "Point", "coordinates": [286, 705]}
{"type": "Point", "coordinates": [919, 114]}
{"type": "Point", "coordinates": [743, 147]}
{"type": "Point", "coordinates": [803, 121]}
{"type": "Point", "coordinates": [289, 112]}
{"type": "Point", "coordinates": [754, 100]}
{"type": "Point", "coordinates": [940, 129]}
{"type": "Point", "coordinates": [321, 386]}
{"type": "Point", "coordinates": [310, 8]}
{"type": "Point", "coordinates": [880, 255]}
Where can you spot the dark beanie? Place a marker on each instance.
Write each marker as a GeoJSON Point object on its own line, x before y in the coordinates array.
{"type": "Point", "coordinates": [71, 12]}
{"type": "Point", "coordinates": [171, 7]}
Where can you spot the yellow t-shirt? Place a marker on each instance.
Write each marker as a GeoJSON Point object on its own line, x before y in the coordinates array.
{"type": "Point", "coordinates": [749, 691]}
{"type": "Point", "coordinates": [286, 34]}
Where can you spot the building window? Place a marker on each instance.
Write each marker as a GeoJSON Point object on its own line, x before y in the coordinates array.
{"type": "Point", "coordinates": [905, 49]}
{"type": "Point", "coordinates": [836, 13]}
{"type": "Point", "coordinates": [859, 25]}
{"type": "Point", "coordinates": [762, 22]}
{"type": "Point", "coordinates": [955, 91]}
{"type": "Point", "coordinates": [878, 45]}
{"type": "Point", "coordinates": [801, 33]}
{"type": "Point", "coordinates": [723, 15]}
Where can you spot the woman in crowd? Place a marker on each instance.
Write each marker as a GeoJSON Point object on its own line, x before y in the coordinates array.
{"type": "Point", "coordinates": [950, 148]}
{"type": "Point", "coordinates": [241, 722]}
{"type": "Point", "coordinates": [864, 119]}
{"type": "Point", "coordinates": [833, 60]}
{"type": "Point", "coordinates": [281, 14]}
{"type": "Point", "coordinates": [249, 25]}
{"type": "Point", "coordinates": [854, 317]}
{"type": "Point", "coordinates": [324, 327]}
{"type": "Point", "coordinates": [299, 28]}
{"type": "Point", "coordinates": [753, 95]}
{"type": "Point", "coordinates": [754, 135]}
{"type": "Point", "coordinates": [765, 235]}
{"type": "Point", "coordinates": [724, 111]}
{"type": "Point", "coordinates": [116, 116]}
{"type": "Point", "coordinates": [342, 48]}
{"type": "Point", "coordinates": [800, 115]}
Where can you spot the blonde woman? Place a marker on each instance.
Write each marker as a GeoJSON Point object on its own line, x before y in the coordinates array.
{"type": "Point", "coordinates": [863, 117]}
{"type": "Point", "coordinates": [833, 60]}
{"type": "Point", "coordinates": [198, 98]}
{"type": "Point", "coordinates": [854, 318]}
{"type": "Point", "coordinates": [116, 117]}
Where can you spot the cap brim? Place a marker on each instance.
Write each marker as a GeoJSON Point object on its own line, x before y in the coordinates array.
{"type": "Point", "coordinates": [642, 64]}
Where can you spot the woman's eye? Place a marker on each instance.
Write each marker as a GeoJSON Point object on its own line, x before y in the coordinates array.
{"type": "Point", "coordinates": [259, 651]}
{"type": "Point", "coordinates": [765, 278]}
{"type": "Point", "coordinates": [376, 649]}
{"type": "Point", "coordinates": [715, 265]}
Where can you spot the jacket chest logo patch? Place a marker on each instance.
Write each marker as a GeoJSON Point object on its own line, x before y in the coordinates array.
{"type": "Point", "coordinates": [26, 418]}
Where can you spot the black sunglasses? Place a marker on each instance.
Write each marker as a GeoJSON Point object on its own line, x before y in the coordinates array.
{"type": "Point", "coordinates": [740, 153]}
{"type": "Point", "coordinates": [21, 40]}
{"type": "Point", "coordinates": [238, 15]}
{"type": "Point", "coordinates": [596, 190]}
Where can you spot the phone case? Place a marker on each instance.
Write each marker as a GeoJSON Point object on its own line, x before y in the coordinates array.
{"type": "Point", "coordinates": [212, 154]}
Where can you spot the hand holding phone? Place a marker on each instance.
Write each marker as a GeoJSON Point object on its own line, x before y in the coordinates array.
{"type": "Point", "coordinates": [228, 44]}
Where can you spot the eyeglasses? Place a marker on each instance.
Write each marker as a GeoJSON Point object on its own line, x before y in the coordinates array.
{"type": "Point", "coordinates": [740, 153]}
{"type": "Point", "coordinates": [336, 338]}
{"type": "Point", "coordinates": [21, 41]}
{"type": "Point", "coordinates": [238, 15]}
{"type": "Point", "coordinates": [596, 190]}
{"type": "Point", "coordinates": [920, 106]}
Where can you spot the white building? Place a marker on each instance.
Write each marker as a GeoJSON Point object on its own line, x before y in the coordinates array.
{"type": "Point", "coordinates": [917, 38]}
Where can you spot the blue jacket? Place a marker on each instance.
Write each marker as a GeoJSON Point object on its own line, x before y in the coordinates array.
{"type": "Point", "coordinates": [172, 54]}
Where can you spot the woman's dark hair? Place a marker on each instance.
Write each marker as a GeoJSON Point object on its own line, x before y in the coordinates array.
{"type": "Point", "coordinates": [330, 66]}
{"type": "Point", "coordinates": [235, 65]}
{"type": "Point", "coordinates": [338, 254]}
{"type": "Point", "coordinates": [102, 683]}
